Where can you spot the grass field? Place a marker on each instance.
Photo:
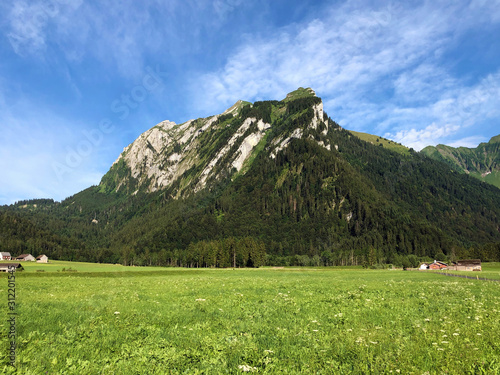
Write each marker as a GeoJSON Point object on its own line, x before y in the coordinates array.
{"type": "Point", "coordinates": [271, 321]}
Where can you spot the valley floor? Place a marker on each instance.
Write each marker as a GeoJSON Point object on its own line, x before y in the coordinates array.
{"type": "Point", "coordinates": [105, 319]}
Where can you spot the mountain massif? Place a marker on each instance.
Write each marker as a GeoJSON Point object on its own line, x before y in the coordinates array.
{"type": "Point", "coordinates": [482, 162]}
{"type": "Point", "coordinates": [270, 182]}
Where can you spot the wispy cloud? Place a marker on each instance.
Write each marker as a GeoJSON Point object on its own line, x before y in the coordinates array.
{"type": "Point", "coordinates": [456, 108]}
{"type": "Point", "coordinates": [378, 69]}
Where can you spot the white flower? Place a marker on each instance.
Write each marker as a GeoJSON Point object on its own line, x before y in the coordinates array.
{"type": "Point", "coordinates": [455, 334]}
{"type": "Point", "coordinates": [117, 313]}
{"type": "Point", "coordinates": [247, 368]}
{"type": "Point", "coordinates": [200, 299]}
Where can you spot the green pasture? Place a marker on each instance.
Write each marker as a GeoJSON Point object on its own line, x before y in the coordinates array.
{"type": "Point", "coordinates": [65, 266]}
{"type": "Point", "coordinates": [267, 321]}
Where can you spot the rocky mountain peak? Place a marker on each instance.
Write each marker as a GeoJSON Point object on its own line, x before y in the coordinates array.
{"type": "Point", "coordinates": [185, 158]}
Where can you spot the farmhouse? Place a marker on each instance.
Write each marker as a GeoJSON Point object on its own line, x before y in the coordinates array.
{"type": "Point", "coordinates": [42, 259]}
{"type": "Point", "coordinates": [5, 256]}
{"type": "Point", "coordinates": [4, 267]}
{"type": "Point", "coordinates": [437, 265]}
{"type": "Point", "coordinates": [26, 257]}
{"type": "Point", "coordinates": [467, 265]}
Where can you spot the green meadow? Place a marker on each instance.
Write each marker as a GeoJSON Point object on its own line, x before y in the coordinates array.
{"type": "Point", "coordinates": [110, 319]}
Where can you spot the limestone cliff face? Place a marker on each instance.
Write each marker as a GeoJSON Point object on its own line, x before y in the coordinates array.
{"type": "Point", "coordinates": [189, 157]}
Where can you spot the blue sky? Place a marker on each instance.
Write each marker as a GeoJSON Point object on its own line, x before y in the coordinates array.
{"type": "Point", "coordinates": [80, 80]}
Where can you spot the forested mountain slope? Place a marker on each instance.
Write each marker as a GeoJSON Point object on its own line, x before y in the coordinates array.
{"type": "Point", "coordinates": [273, 182]}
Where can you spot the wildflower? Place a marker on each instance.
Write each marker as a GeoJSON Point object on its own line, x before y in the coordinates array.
{"type": "Point", "coordinates": [445, 335]}
{"type": "Point", "coordinates": [247, 368]}
{"type": "Point", "coordinates": [427, 319]}
{"type": "Point", "coordinates": [117, 313]}
{"type": "Point", "coordinates": [201, 299]}
{"type": "Point", "coordinates": [455, 334]}
{"type": "Point", "coordinates": [315, 330]}
{"type": "Point", "coordinates": [478, 334]}
{"type": "Point", "coordinates": [444, 342]}
{"type": "Point", "coordinates": [268, 351]}
{"type": "Point", "coordinates": [374, 342]}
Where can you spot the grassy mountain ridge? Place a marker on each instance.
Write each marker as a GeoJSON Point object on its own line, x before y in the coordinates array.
{"type": "Point", "coordinates": [382, 142]}
{"type": "Point", "coordinates": [482, 162]}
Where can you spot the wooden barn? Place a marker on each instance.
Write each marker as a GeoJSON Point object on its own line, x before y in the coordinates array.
{"type": "Point", "coordinates": [26, 257]}
{"type": "Point", "coordinates": [42, 259]}
{"type": "Point", "coordinates": [466, 265]}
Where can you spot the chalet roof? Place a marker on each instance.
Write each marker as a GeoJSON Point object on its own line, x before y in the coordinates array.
{"type": "Point", "coordinates": [40, 256]}
{"type": "Point", "coordinates": [475, 262]}
{"type": "Point", "coordinates": [438, 262]}
{"type": "Point", "coordinates": [5, 254]}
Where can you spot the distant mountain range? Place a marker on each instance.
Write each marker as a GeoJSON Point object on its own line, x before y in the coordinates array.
{"type": "Point", "coordinates": [271, 182]}
{"type": "Point", "coordinates": [482, 162]}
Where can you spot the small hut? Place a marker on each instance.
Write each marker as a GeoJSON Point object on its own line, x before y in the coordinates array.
{"type": "Point", "coordinates": [467, 265]}
{"type": "Point", "coordinates": [42, 259]}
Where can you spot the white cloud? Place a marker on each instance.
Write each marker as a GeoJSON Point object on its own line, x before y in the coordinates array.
{"type": "Point", "coordinates": [457, 109]}
{"type": "Point", "coordinates": [377, 69]}
{"type": "Point", "coordinates": [470, 142]}
{"type": "Point", "coordinates": [418, 139]}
